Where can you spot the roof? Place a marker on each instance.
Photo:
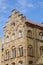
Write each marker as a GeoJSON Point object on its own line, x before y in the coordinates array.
{"type": "Point", "coordinates": [28, 21]}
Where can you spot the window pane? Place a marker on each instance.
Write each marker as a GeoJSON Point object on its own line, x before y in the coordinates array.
{"type": "Point", "coordinates": [20, 33]}
{"type": "Point", "coordinates": [21, 51]}
{"type": "Point", "coordinates": [7, 54]}
{"type": "Point", "coordinates": [14, 51]}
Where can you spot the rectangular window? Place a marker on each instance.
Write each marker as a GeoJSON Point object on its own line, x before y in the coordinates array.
{"type": "Point", "coordinates": [30, 50]}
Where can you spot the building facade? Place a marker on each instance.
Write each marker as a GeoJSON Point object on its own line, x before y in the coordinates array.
{"type": "Point", "coordinates": [23, 41]}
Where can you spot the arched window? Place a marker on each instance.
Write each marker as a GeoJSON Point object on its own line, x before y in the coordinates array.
{"type": "Point", "coordinates": [20, 62]}
{"type": "Point", "coordinates": [20, 50]}
{"type": "Point", "coordinates": [7, 54]}
{"type": "Point", "coordinates": [30, 50]}
{"type": "Point", "coordinates": [13, 63]}
{"type": "Point", "coordinates": [13, 51]}
{"type": "Point", "coordinates": [20, 33]}
{"type": "Point", "coordinates": [29, 33]}
{"type": "Point", "coordinates": [41, 50]}
{"type": "Point", "coordinates": [13, 36]}
{"type": "Point", "coordinates": [41, 36]}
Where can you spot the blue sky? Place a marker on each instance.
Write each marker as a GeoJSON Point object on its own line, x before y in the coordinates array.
{"type": "Point", "coordinates": [32, 9]}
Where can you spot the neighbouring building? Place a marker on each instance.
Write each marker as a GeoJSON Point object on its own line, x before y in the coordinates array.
{"type": "Point", "coordinates": [0, 49]}
{"type": "Point", "coordinates": [23, 41]}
